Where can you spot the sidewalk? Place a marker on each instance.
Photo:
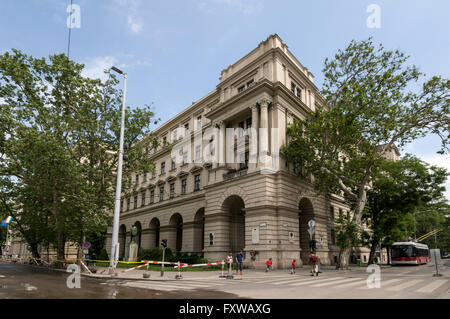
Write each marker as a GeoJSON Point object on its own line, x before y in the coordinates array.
{"type": "Point", "coordinates": [103, 273]}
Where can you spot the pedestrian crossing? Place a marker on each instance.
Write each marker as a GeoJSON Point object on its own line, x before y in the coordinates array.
{"type": "Point", "coordinates": [420, 286]}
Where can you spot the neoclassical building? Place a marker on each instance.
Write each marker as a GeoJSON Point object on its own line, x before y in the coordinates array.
{"type": "Point", "coordinates": [235, 202]}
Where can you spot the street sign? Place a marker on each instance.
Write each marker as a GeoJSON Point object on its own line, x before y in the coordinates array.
{"type": "Point", "coordinates": [87, 244]}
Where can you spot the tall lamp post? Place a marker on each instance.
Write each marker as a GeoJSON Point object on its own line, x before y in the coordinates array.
{"type": "Point", "coordinates": [115, 232]}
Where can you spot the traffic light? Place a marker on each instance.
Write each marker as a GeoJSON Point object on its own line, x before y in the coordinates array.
{"type": "Point", "coordinates": [164, 243]}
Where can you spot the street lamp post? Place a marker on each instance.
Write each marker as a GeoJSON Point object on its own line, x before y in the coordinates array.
{"type": "Point", "coordinates": [115, 231]}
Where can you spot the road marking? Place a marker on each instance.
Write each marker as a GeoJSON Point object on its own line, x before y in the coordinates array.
{"type": "Point", "coordinates": [432, 286]}
{"type": "Point", "coordinates": [314, 281]}
{"type": "Point", "coordinates": [362, 282]}
{"type": "Point", "coordinates": [164, 286]}
{"type": "Point", "coordinates": [336, 282]}
{"type": "Point", "coordinates": [1, 276]}
{"type": "Point", "coordinates": [382, 283]}
{"type": "Point", "coordinates": [404, 285]}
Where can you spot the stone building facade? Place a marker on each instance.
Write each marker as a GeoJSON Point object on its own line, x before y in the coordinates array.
{"type": "Point", "coordinates": [235, 202]}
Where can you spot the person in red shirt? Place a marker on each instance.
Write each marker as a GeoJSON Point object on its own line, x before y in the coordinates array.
{"type": "Point", "coordinates": [269, 265]}
{"type": "Point", "coordinates": [293, 267]}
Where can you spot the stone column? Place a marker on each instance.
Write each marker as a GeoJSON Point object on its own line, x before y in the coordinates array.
{"type": "Point", "coordinates": [253, 158]}
{"type": "Point", "coordinates": [264, 131]}
{"type": "Point", "coordinates": [222, 143]}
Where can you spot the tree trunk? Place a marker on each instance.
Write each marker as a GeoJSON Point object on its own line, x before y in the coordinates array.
{"type": "Point", "coordinates": [373, 249]}
{"type": "Point", "coordinates": [388, 249]}
{"type": "Point", "coordinates": [342, 261]}
{"type": "Point", "coordinates": [61, 246]}
{"type": "Point", "coordinates": [34, 251]}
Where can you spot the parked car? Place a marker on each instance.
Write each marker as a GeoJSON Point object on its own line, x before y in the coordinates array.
{"type": "Point", "coordinates": [446, 256]}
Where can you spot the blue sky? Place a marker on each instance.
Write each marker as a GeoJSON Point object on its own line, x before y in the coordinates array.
{"type": "Point", "coordinates": [173, 51]}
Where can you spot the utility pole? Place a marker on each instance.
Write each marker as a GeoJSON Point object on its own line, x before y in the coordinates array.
{"type": "Point", "coordinates": [115, 231]}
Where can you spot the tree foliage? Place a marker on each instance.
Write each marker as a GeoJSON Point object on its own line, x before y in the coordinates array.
{"type": "Point", "coordinates": [370, 108]}
{"type": "Point", "coordinates": [58, 140]}
{"type": "Point", "coordinates": [400, 192]}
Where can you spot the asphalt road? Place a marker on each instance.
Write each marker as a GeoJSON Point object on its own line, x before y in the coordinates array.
{"type": "Point", "coordinates": [27, 282]}
{"type": "Point", "coordinates": [410, 282]}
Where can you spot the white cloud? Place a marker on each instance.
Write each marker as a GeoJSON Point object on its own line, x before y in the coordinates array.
{"type": "Point", "coordinates": [130, 9]}
{"type": "Point", "coordinates": [95, 67]}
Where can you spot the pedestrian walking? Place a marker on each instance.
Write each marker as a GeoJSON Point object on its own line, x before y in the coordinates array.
{"type": "Point", "coordinates": [314, 263]}
{"type": "Point", "coordinates": [269, 265]}
{"type": "Point", "coordinates": [293, 264]}
{"type": "Point", "coordinates": [239, 260]}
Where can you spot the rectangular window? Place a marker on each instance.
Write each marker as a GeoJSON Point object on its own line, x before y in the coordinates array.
{"type": "Point", "coordinates": [249, 126]}
{"type": "Point", "coordinates": [143, 199]}
{"type": "Point", "coordinates": [161, 193]}
{"type": "Point", "coordinates": [243, 160]}
{"type": "Point", "coordinates": [199, 122]}
{"type": "Point", "coordinates": [163, 167]}
{"type": "Point", "coordinates": [164, 141]}
{"type": "Point", "coordinates": [173, 163]}
{"type": "Point", "coordinates": [186, 129]}
{"type": "Point", "coordinates": [137, 179]}
{"type": "Point", "coordinates": [174, 135]}
{"type": "Point", "coordinates": [145, 176]}
{"type": "Point", "coordinates": [135, 202]}
{"type": "Point", "coordinates": [292, 87]}
{"type": "Point", "coordinates": [185, 157]}
{"type": "Point", "coordinates": [121, 205]}
{"type": "Point", "coordinates": [128, 203]}
{"type": "Point", "coordinates": [299, 92]}
{"type": "Point", "coordinates": [197, 183]}
{"type": "Point", "coordinates": [152, 196]}
{"type": "Point", "coordinates": [332, 212]}
{"type": "Point", "coordinates": [198, 151]}
{"type": "Point", "coordinates": [211, 146]}
{"type": "Point", "coordinates": [241, 129]}
{"type": "Point", "coordinates": [250, 83]}
{"type": "Point", "coordinates": [172, 190]}
{"type": "Point", "coordinates": [333, 237]}
{"type": "Point", "coordinates": [241, 88]}
{"type": "Point", "coordinates": [183, 186]}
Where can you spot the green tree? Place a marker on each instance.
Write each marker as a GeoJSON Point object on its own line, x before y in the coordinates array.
{"type": "Point", "coordinates": [369, 109]}
{"type": "Point", "coordinates": [58, 141]}
{"type": "Point", "coordinates": [399, 190]}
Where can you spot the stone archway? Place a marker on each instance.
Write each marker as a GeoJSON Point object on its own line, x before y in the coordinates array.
{"type": "Point", "coordinates": [306, 213]}
{"type": "Point", "coordinates": [234, 207]}
{"type": "Point", "coordinates": [176, 223]}
{"type": "Point", "coordinates": [154, 232]}
{"type": "Point", "coordinates": [199, 231]}
{"type": "Point", "coordinates": [122, 240]}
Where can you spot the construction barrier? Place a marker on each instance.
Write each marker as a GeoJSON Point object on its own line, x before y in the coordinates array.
{"type": "Point", "coordinates": [127, 270]}
{"type": "Point", "coordinates": [199, 265]}
{"type": "Point", "coordinates": [82, 263]}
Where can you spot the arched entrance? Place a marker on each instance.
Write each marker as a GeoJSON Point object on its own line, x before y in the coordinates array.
{"type": "Point", "coordinates": [199, 230]}
{"type": "Point", "coordinates": [139, 233]}
{"type": "Point", "coordinates": [122, 240]}
{"type": "Point", "coordinates": [154, 232]}
{"type": "Point", "coordinates": [234, 207]}
{"type": "Point", "coordinates": [306, 213]}
{"type": "Point", "coordinates": [176, 221]}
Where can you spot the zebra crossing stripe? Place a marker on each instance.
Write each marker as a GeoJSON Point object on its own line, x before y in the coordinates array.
{"type": "Point", "coordinates": [382, 283]}
{"type": "Point", "coordinates": [163, 286]}
{"type": "Point", "coordinates": [315, 281]}
{"type": "Point", "coordinates": [362, 282]}
{"type": "Point", "coordinates": [432, 286]}
{"type": "Point", "coordinates": [336, 282]}
{"type": "Point", "coordinates": [404, 285]}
